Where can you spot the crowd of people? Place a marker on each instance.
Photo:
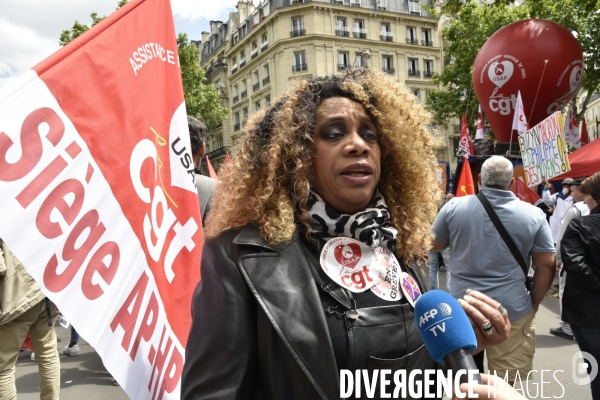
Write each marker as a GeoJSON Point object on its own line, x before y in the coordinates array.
{"type": "Point", "coordinates": [341, 168]}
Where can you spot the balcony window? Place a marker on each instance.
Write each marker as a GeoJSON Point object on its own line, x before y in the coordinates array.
{"type": "Point", "coordinates": [413, 67]}
{"type": "Point", "coordinates": [359, 29]}
{"type": "Point", "coordinates": [297, 27]}
{"type": "Point", "coordinates": [343, 60]}
{"type": "Point", "coordinates": [411, 35]}
{"type": "Point", "coordinates": [267, 101]}
{"type": "Point", "coordinates": [235, 38]}
{"type": "Point", "coordinates": [428, 68]}
{"type": "Point", "coordinates": [266, 80]}
{"type": "Point", "coordinates": [257, 106]}
{"type": "Point", "coordinates": [266, 75]}
{"type": "Point", "coordinates": [299, 62]}
{"type": "Point", "coordinates": [414, 7]}
{"type": "Point", "coordinates": [254, 51]}
{"type": "Point", "coordinates": [360, 60]}
{"type": "Point", "coordinates": [355, 3]}
{"type": "Point", "coordinates": [385, 33]}
{"type": "Point", "coordinates": [387, 64]}
{"type": "Point", "coordinates": [341, 29]}
{"type": "Point", "coordinates": [235, 94]}
{"type": "Point", "coordinates": [242, 58]}
{"type": "Point", "coordinates": [382, 5]}
{"type": "Point", "coordinates": [255, 86]}
{"type": "Point", "coordinates": [233, 68]}
{"type": "Point", "coordinates": [265, 42]}
{"type": "Point", "coordinates": [236, 121]}
{"type": "Point", "coordinates": [426, 37]}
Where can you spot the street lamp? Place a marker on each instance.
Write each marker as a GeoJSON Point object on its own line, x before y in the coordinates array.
{"type": "Point", "coordinates": [363, 55]}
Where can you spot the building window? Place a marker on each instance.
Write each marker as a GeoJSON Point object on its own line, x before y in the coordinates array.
{"type": "Point", "coordinates": [360, 60]}
{"type": "Point", "coordinates": [244, 92]}
{"type": "Point", "coordinates": [341, 29]}
{"type": "Point", "coordinates": [254, 51]}
{"type": "Point", "coordinates": [413, 67]}
{"type": "Point", "coordinates": [267, 101]}
{"type": "Point", "coordinates": [265, 42]}
{"type": "Point", "coordinates": [236, 121]}
{"type": "Point", "coordinates": [235, 37]}
{"type": "Point", "coordinates": [387, 64]}
{"type": "Point", "coordinates": [355, 3]}
{"type": "Point", "coordinates": [235, 93]}
{"type": "Point", "coordinates": [416, 93]}
{"type": "Point", "coordinates": [426, 35]}
{"type": "Point", "coordinates": [385, 33]}
{"type": "Point", "coordinates": [359, 29]}
{"type": "Point", "coordinates": [244, 29]}
{"type": "Point", "coordinates": [266, 76]}
{"type": "Point", "coordinates": [255, 81]}
{"type": "Point", "coordinates": [242, 58]}
{"type": "Point", "coordinates": [245, 115]}
{"type": "Point", "coordinates": [233, 65]}
{"type": "Point", "coordinates": [299, 62]}
{"type": "Point", "coordinates": [382, 4]}
{"type": "Point", "coordinates": [428, 68]}
{"type": "Point", "coordinates": [414, 7]}
{"type": "Point", "coordinates": [257, 106]}
{"type": "Point", "coordinates": [297, 27]}
{"type": "Point", "coordinates": [343, 60]}
{"type": "Point", "coordinates": [411, 35]}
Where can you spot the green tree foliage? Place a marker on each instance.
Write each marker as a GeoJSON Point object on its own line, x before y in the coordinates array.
{"type": "Point", "coordinates": [471, 24]}
{"type": "Point", "coordinates": [201, 99]}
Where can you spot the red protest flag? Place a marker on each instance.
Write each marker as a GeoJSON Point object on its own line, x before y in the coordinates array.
{"type": "Point", "coordinates": [521, 190]}
{"type": "Point", "coordinates": [584, 133]}
{"type": "Point", "coordinates": [465, 142]}
{"type": "Point", "coordinates": [87, 125]}
{"type": "Point", "coordinates": [465, 182]}
{"type": "Point", "coordinates": [211, 170]}
{"type": "Point", "coordinates": [227, 158]}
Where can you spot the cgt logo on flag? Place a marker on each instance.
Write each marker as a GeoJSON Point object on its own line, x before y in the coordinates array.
{"type": "Point", "coordinates": [95, 172]}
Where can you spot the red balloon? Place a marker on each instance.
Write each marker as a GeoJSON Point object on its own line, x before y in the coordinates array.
{"type": "Point", "coordinates": [540, 58]}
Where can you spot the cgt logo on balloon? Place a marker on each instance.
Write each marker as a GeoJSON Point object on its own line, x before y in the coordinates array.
{"type": "Point", "coordinates": [500, 70]}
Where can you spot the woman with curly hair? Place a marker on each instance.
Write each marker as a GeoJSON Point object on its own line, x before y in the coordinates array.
{"type": "Point", "coordinates": [315, 225]}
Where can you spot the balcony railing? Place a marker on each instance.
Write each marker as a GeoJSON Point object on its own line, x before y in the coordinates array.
{"type": "Point", "coordinates": [256, 86]}
{"type": "Point", "coordinates": [254, 53]}
{"type": "Point", "coordinates": [428, 73]}
{"type": "Point", "coordinates": [426, 42]}
{"type": "Point", "coordinates": [266, 80]}
{"type": "Point", "coordinates": [342, 32]}
{"type": "Point", "coordinates": [412, 41]}
{"type": "Point", "coordinates": [298, 32]}
{"type": "Point", "coordinates": [355, 3]}
{"type": "Point", "coordinates": [299, 67]}
{"type": "Point", "coordinates": [242, 62]}
{"type": "Point", "coordinates": [236, 98]}
{"type": "Point", "coordinates": [244, 94]}
{"type": "Point", "coordinates": [360, 33]}
{"type": "Point", "coordinates": [414, 72]}
{"type": "Point", "coordinates": [381, 8]}
{"type": "Point", "coordinates": [388, 70]}
{"type": "Point", "coordinates": [236, 127]}
{"type": "Point", "coordinates": [233, 68]}
{"type": "Point", "coordinates": [264, 46]}
{"type": "Point", "coordinates": [386, 36]}
{"type": "Point", "coordinates": [342, 67]}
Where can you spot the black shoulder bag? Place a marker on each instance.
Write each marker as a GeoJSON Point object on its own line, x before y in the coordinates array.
{"type": "Point", "coordinates": [507, 239]}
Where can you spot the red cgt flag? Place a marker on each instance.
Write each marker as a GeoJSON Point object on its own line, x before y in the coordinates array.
{"type": "Point", "coordinates": [521, 190]}
{"type": "Point", "coordinates": [211, 170]}
{"type": "Point", "coordinates": [465, 142]}
{"type": "Point", "coordinates": [465, 185]}
{"type": "Point", "coordinates": [92, 144]}
{"type": "Point", "coordinates": [584, 133]}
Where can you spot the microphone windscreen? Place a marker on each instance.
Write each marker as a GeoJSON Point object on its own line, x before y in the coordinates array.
{"type": "Point", "coordinates": [443, 324]}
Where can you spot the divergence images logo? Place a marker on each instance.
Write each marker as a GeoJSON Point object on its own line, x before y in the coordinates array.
{"type": "Point", "coordinates": [585, 368]}
{"type": "Point", "coordinates": [348, 255]}
{"type": "Point", "coordinates": [440, 326]}
{"type": "Point", "coordinates": [500, 72]}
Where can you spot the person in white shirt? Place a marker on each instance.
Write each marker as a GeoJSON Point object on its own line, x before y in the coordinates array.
{"type": "Point", "coordinates": [578, 209]}
{"type": "Point", "coordinates": [561, 201]}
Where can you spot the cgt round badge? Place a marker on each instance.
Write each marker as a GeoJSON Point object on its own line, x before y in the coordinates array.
{"type": "Point", "coordinates": [358, 267]}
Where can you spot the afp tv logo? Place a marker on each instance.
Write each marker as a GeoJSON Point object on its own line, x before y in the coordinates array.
{"type": "Point", "coordinates": [439, 326]}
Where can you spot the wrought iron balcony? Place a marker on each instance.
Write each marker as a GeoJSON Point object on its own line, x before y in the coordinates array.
{"type": "Point", "coordinates": [414, 72]}
{"type": "Point", "coordinates": [242, 62]}
{"type": "Point", "coordinates": [360, 33]}
{"type": "Point", "coordinates": [342, 32]}
{"type": "Point", "coordinates": [412, 41]}
{"type": "Point", "coordinates": [244, 94]}
{"type": "Point", "coordinates": [386, 36]}
{"type": "Point", "coordinates": [236, 127]}
{"type": "Point", "coordinates": [266, 80]}
{"type": "Point", "coordinates": [428, 73]}
{"type": "Point", "coordinates": [256, 86]}
{"type": "Point", "coordinates": [426, 42]}
{"type": "Point", "coordinates": [389, 70]}
{"type": "Point", "coordinates": [299, 67]}
{"type": "Point", "coordinates": [264, 46]}
{"type": "Point", "coordinates": [236, 98]}
{"type": "Point", "coordinates": [342, 67]}
{"type": "Point", "coordinates": [298, 32]}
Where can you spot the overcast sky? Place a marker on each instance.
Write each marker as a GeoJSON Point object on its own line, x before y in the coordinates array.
{"type": "Point", "coordinates": [29, 29]}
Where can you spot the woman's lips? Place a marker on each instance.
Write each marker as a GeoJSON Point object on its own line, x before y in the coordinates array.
{"type": "Point", "coordinates": [358, 174]}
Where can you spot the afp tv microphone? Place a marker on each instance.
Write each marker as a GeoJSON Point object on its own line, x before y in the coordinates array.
{"type": "Point", "coordinates": [448, 334]}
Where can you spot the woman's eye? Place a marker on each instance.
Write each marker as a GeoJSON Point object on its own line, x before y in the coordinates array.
{"type": "Point", "coordinates": [334, 134]}
{"type": "Point", "coordinates": [369, 135]}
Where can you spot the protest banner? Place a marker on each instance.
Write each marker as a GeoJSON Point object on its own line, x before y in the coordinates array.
{"type": "Point", "coordinates": [97, 196]}
{"type": "Point", "coordinates": [544, 150]}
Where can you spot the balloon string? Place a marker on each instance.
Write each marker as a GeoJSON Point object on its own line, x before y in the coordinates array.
{"type": "Point", "coordinates": [538, 89]}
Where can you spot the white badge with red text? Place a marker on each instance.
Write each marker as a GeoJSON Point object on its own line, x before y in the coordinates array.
{"type": "Point", "coordinates": [409, 288]}
{"type": "Point", "coordinates": [349, 263]}
{"type": "Point", "coordinates": [387, 282]}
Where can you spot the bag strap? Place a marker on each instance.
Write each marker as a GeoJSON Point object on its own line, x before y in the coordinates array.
{"type": "Point", "coordinates": [502, 231]}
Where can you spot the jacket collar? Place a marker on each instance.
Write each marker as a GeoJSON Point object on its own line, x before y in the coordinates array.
{"type": "Point", "coordinates": [282, 282]}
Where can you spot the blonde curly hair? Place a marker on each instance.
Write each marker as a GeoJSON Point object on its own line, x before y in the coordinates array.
{"type": "Point", "coordinates": [274, 159]}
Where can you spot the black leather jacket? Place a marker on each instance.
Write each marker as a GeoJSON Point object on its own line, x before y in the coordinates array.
{"type": "Point", "coordinates": [580, 249]}
{"type": "Point", "coordinates": [259, 330]}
